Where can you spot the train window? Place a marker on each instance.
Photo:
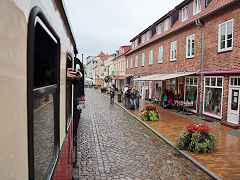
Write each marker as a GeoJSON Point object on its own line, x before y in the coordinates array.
{"type": "Point", "coordinates": [43, 97]}
{"type": "Point", "coordinates": [68, 95]}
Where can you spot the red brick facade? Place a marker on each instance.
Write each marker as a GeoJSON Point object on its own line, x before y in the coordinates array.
{"type": "Point", "coordinates": [214, 62]}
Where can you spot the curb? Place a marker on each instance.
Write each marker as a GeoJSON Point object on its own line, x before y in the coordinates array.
{"type": "Point", "coordinates": [193, 160]}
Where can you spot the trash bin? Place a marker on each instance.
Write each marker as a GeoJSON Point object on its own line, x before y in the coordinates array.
{"type": "Point", "coordinates": [119, 97]}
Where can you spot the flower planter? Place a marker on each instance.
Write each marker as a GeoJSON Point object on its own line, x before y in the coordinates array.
{"type": "Point", "coordinates": [150, 113]}
{"type": "Point", "coordinates": [196, 138]}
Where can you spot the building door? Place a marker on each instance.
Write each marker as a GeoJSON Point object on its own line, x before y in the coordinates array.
{"type": "Point", "coordinates": [150, 90]}
{"type": "Point", "coordinates": [233, 105]}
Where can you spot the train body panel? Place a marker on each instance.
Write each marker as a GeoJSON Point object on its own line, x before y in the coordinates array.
{"type": "Point", "coordinates": [14, 78]}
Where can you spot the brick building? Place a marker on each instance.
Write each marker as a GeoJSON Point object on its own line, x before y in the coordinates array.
{"type": "Point", "coordinates": [119, 66]}
{"type": "Point", "coordinates": [193, 50]}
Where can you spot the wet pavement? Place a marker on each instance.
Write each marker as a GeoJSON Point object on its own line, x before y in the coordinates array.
{"type": "Point", "coordinates": [114, 145]}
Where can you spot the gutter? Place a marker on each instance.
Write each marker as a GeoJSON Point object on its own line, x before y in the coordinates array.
{"type": "Point", "coordinates": [199, 23]}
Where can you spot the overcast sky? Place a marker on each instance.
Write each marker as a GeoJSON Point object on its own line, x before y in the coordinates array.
{"type": "Point", "coordinates": [105, 25]}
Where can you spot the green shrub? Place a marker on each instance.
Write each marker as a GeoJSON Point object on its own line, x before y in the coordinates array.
{"type": "Point", "coordinates": [196, 138]}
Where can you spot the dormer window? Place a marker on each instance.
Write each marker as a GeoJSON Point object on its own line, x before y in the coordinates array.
{"type": "Point", "coordinates": [196, 7]}
{"type": "Point", "coordinates": [166, 24]}
{"type": "Point", "coordinates": [148, 36]}
{"type": "Point", "coordinates": [159, 29]}
{"type": "Point", "coordinates": [184, 14]}
{"type": "Point", "coordinates": [143, 38]}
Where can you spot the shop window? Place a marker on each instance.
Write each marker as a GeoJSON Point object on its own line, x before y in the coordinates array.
{"type": "Point", "coordinates": [213, 96]}
{"type": "Point", "coordinates": [170, 84]}
{"type": "Point", "coordinates": [191, 91]}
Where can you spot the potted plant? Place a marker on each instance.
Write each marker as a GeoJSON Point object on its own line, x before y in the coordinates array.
{"type": "Point", "coordinates": [196, 138]}
{"type": "Point", "coordinates": [150, 113]}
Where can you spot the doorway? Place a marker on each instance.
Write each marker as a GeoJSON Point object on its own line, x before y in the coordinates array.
{"type": "Point", "coordinates": [233, 105]}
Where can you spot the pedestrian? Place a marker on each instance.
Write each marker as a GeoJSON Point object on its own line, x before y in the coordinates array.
{"type": "Point", "coordinates": [133, 97]}
{"type": "Point", "coordinates": [112, 93]}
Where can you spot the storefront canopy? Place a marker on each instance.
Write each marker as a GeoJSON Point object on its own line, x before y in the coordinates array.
{"type": "Point", "coordinates": [121, 77]}
{"type": "Point", "coordinates": [162, 77]}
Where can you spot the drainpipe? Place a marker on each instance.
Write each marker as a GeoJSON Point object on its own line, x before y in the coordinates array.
{"type": "Point", "coordinates": [200, 24]}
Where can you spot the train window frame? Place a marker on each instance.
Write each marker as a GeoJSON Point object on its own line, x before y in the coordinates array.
{"type": "Point", "coordinates": [37, 17]}
{"type": "Point", "coordinates": [69, 116]}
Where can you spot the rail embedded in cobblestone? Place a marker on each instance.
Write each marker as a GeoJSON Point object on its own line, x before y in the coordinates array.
{"type": "Point", "coordinates": [187, 156]}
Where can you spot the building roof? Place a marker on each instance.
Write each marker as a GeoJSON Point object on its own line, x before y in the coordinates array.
{"type": "Point", "coordinates": [214, 6]}
{"type": "Point", "coordinates": [101, 54]}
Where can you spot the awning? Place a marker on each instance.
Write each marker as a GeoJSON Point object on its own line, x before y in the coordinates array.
{"type": "Point", "coordinates": [162, 77]}
{"type": "Point", "coordinates": [122, 77]}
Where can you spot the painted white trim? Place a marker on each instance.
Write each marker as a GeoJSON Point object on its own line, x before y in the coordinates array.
{"type": "Point", "coordinates": [219, 36]}
{"type": "Point", "coordinates": [151, 57]}
{"type": "Point", "coordinates": [191, 37]}
{"type": "Point", "coordinates": [208, 113]}
{"type": "Point", "coordinates": [174, 43]}
{"type": "Point", "coordinates": [160, 54]}
{"type": "Point", "coordinates": [136, 61]}
{"type": "Point", "coordinates": [159, 29]}
{"type": "Point", "coordinates": [143, 59]}
{"type": "Point", "coordinates": [234, 86]}
{"type": "Point", "coordinates": [184, 18]}
{"type": "Point", "coordinates": [196, 11]}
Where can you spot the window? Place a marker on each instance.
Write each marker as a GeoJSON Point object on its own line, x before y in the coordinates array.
{"type": "Point", "coordinates": [234, 81]}
{"type": "Point", "coordinates": [166, 25]}
{"type": "Point", "coordinates": [143, 59]}
{"type": "Point", "coordinates": [213, 96]}
{"type": "Point", "coordinates": [160, 54]}
{"type": "Point", "coordinates": [43, 96]}
{"type": "Point", "coordinates": [170, 84]}
{"type": "Point", "coordinates": [150, 57]}
{"type": "Point", "coordinates": [159, 27]}
{"type": "Point", "coordinates": [148, 36]}
{"type": "Point", "coordinates": [68, 94]}
{"type": "Point", "coordinates": [136, 61]}
{"type": "Point", "coordinates": [184, 14]}
{"type": "Point", "coordinates": [143, 38]}
{"type": "Point", "coordinates": [225, 36]}
{"type": "Point", "coordinates": [191, 90]}
{"type": "Point", "coordinates": [173, 51]}
{"type": "Point", "coordinates": [196, 7]}
{"type": "Point", "coordinates": [190, 41]}
{"type": "Point", "coordinates": [127, 64]}
{"type": "Point", "coordinates": [131, 63]}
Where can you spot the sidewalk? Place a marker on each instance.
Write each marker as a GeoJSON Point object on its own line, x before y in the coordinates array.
{"type": "Point", "coordinates": [224, 161]}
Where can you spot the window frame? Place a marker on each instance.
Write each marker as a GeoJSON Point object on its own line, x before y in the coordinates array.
{"type": "Point", "coordinates": [143, 59]}
{"type": "Point", "coordinates": [37, 15]}
{"type": "Point", "coordinates": [196, 4]}
{"type": "Point", "coordinates": [219, 36]}
{"type": "Point", "coordinates": [131, 63]}
{"type": "Point", "coordinates": [159, 29]}
{"type": "Point", "coordinates": [184, 16]}
{"type": "Point", "coordinates": [151, 57]}
{"type": "Point", "coordinates": [210, 86]}
{"type": "Point", "coordinates": [136, 61]}
{"type": "Point", "coordinates": [171, 50]}
{"type": "Point", "coordinates": [166, 25]}
{"type": "Point", "coordinates": [191, 37]}
{"type": "Point", "coordinates": [160, 55]}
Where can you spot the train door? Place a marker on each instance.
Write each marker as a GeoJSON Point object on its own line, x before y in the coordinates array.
{"type": "Point", "coordinates": [43, 69]}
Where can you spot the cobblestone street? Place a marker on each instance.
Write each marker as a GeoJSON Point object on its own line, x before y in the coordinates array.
{"type": "Point", "coordinates": [114, 145]}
